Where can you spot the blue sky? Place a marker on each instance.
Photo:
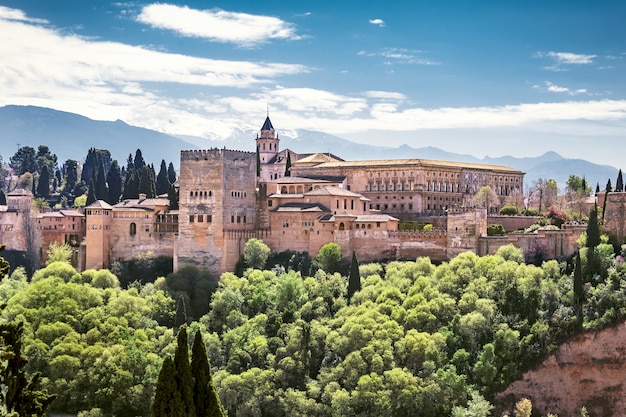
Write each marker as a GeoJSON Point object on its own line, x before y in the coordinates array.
{"type": "Point", "coordinates": [478, 77]}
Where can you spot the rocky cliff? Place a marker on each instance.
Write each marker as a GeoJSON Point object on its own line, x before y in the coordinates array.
{"type": "Point", "coordinates": [588, 370]}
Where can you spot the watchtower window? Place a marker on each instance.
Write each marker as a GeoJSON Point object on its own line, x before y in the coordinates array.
{"type": "Point", "coordinates": [133, 229]}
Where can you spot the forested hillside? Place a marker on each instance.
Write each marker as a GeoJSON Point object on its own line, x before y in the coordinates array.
{"type": "Point", "coordinates": [415, 340]}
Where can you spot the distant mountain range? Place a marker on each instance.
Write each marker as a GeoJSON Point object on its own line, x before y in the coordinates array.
{"type": "Point", "coordinates": [70, 136]}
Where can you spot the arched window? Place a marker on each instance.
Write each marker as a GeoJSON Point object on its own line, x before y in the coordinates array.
{"type": "Point", "coordinates": [133, 229]}
{"type": "Point", "coordinates": [342, 226]}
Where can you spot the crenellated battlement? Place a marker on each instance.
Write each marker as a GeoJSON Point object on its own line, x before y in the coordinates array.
{"type": "Point", "coordinates": [212, 153]}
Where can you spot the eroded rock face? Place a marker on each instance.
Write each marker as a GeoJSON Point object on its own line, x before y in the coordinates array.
{"type": "Point", "coordinates": [589, 370]}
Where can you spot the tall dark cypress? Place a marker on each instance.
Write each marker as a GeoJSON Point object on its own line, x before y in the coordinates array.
{"type": "Point", "coordinates": [114, 179]}
{"type": "Point", "coordinates": [288, 165]}
{"type": "Point", "coordinates": [258, 162]}
{"type": "Point", "coordinates": [131, 185]}
{"type": "Point", "coordinates": [206, 400]}
{"type": "Point", "coordinates": [146, 182]}
{"type": "Point", "coordinates": [171, 173]}
{"type": "Point", "coordinates": [102, 189]}
{"type": "Point", "coordinates": [43, 186]}
{"type": "Point", "coordinates": [579, 291]}
{"type": "Point", "coordinates": [354, 282]}
{"type": "Point", "coordinates": [91, 194]}
{"type": "Point", "coordinates": [3, 198]}
{"type": "Point", "coordinates": [138, 162]}
{"type": "Point", "coordinates": [162, 182]}
{"type": "Point", "coordinates": [167, 401]}
{"type": "Point", "coordinates": [619, 185]}
{"type": "Point", "coordinates": [184, 377]}
{"type": "Point", "coordinates": [172, 195]}
{"type": "Point", "coordinates": [593, 231]}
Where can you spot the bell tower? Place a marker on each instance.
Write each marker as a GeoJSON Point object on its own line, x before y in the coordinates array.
{"type": "Point", "coordinates": [267, 142]}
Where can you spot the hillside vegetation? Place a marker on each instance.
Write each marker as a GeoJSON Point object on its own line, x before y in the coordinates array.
{"type": "Point", "coordinates": [416, 340]}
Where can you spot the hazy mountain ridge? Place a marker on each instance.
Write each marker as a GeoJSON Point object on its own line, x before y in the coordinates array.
{"type": "Point", "coordinates": [70, 136]}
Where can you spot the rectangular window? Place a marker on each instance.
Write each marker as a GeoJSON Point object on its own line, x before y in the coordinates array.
{"type": "Point", "coordinates": [200, 218]}
{"type": "Point", "coordinates": [191, 218]}
{"type": "Point", "coordinates": [209, 218]}
{"type": "Point", "coordinates": [269, 203]}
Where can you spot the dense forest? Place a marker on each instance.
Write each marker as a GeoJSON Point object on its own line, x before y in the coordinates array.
{"type": "Point", "coordinates": [405, 338]}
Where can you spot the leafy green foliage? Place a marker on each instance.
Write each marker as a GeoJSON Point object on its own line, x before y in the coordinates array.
{"type": "Point", "coordinates": [255, 253]}
{"type": "Point", "coordinates": [509, 210]}
{"type": "Point", "coordinates": [495, 230]}
{"type": "Point", "coordinates": [329, 257]}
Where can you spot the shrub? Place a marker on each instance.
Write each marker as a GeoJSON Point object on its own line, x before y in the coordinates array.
{"type": "Point", "coordinates": [495, 230]}
{"type": "Point", "coordinates": [509, 211]}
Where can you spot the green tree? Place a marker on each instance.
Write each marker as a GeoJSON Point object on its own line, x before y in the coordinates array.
{"type": "Point", "coordinates": [3, 198]}
{"type": "Point", "coordinates": [114, 181]}
{"type": "Point", "coordinates": [593, 231]}
{"type": "Point", "coordinates": [91, 194]}
{"type": "Point", "coordinates": [70, 168]}
{"type": "Point", "coordinates": [183, 375]}
{"type": "Point", "coordinates": [288, 165]}
{"type": "Point", "coordinates": [4, 265]}
{"type": "Point", "coordinates": [485, 198]}
{"type": "Point", "coordinates": [138, 162]}
{"type": "Point", "coordinates": [329, 257]}
{"type": "Point", "coordinates": [206, 400]}
{"type": "Point", "coordinates": [619, 184]}
{"type": "Point", "coordinates": [255, 253]}
{"type": "Point", "coordinates": [171, 173]}
{"type": "Point", "coordinates": [43, 185]}
{"type": "Point", "coordinates": [102, 189]}
{"type": "Point", "coordinates": [167, 401]}
{"type": "Point", "coordinates": [19, 392]}
{"type": "Point", "coordinates": [59, 252]}
{"type": "Point", "coordinates": [354, 282]}
{"type": "Point", "coordinates": [172, 196]}
{"type": "Point", "coordinates": [579, 290]}
{"type": "Point", "coordinates": [131, 185]}
{"type": "Point", "coordinates": [23, 161]}
{"type": "Point", "coordinates": [146, 182]}
{"type": "Point", "coordinates": [162, 182]}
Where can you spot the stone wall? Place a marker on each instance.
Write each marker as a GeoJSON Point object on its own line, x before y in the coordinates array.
{"type": "Point", "coordinates": [615, 215]}
{"type": "Point", "coordinates": [513, 223]}
{"type": "Point", "coordinates": [217, 192]}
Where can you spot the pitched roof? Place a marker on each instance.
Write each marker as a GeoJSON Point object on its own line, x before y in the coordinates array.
{"type": "Point", "coordinates": [329, 190]}
{"type": "Point", "coordinates": [100, 204]}
{"type": "Point", "coordinates": [302, 207]}
{"type": "Point", "coordinates": [414, 162]}
{"type": "Point", "coordinates": [316, 158]}
{"type": "Point", "coordinates": [267, 125]}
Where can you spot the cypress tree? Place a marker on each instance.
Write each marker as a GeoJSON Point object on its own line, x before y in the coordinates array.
{"type": "Point", "coordinates": [593, 231]}
{"type": "Point", "coordinates": [3, 198]}
{"type": "Point", "coordinates": [138, 162]}
{"type": "Point", "coordinates": [258, 162]}
{"type": "Point", "coordinates": [131, 186]}
{"type": "Point", "coordinates": [71, 174]}
{"type": "Point", "coordinates": [579, 292]}
{"type": "Point", "coordinates": [354, 282]}
{"type": "Point", "coordinates": [288, 165]}
{"type": "Point", "coordinates": [167, 401]}
{"type": "Point", "coordinates": [619, 185]}
{"type": "Point", "coordinates": [130, 165]}
{"type": "Point", "coordinates": [172, 195]}
{"type": "Point", "coordinates": [184, 377]}
{"type": "Point", "coordinates": [102, 189]}
{"type": "Point", "coordinates": [171, 173]}
{"type": "Point", "coordinates": [162, 182]}
{"type": "Point", "coordinates": [207, 402]}
{"type": "Point", "coordinates": [43, 186]}
{"type": "Point", "coordinates": [114, 179]}
{"type": "Point", "coordinates": [146, 182]}
{"type": "Point", "coordinates": [88, 166]}
{"type": "Point", "coordinates": [91, 194]}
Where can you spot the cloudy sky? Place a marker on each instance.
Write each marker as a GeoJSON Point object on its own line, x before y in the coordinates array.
{"type": "Point", "coordinates": [478, 77]}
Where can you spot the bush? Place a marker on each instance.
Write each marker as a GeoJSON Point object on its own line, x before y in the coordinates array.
{"type": "Point", "coordinates": [495, 230]}
{"type": "Point", "coordinates": [509, 211]}
{"type": "Point", "coordinates": [531, 212]}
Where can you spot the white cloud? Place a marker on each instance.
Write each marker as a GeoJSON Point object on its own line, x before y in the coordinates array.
{"type": "Point", "coordinates": [400, 56]}
{"type": "Point", "coordinates": [385, 95]}
{"type": "Point", "coordinates": [560, 59]}
{"type": "Point", "coordinates": [571, 58]}
{"type": "Point", "coordinates": [553, 88]}
{"type": "Point", "coordinates": [377, 22]}
{"type": "Point", "coordinates": [106, 79]}
{"type": "Point", "coordinates": [217, 25]}
{"type": "Point", "coordinates": [17, 15]}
